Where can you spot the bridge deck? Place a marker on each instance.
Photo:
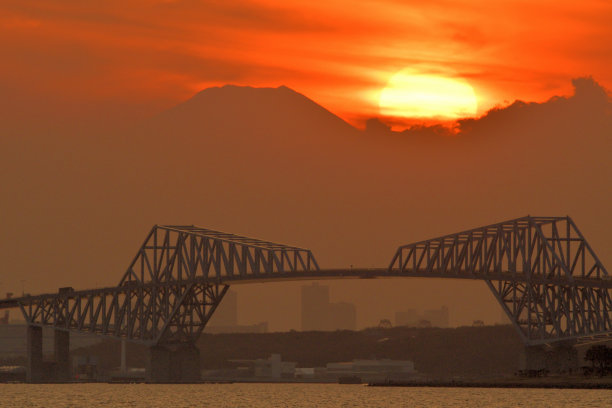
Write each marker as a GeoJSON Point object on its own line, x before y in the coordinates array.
{"type": "Point", "coordinates": [328, 274]}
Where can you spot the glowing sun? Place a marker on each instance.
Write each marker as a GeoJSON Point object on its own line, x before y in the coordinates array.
{"type": "Point", "coordinates": [427, 96]}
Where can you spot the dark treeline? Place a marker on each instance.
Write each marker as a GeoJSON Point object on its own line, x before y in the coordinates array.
{"type": "Point", "coordinates": [464, 351]}
{"type": "Point", "coordinates": [600, 357]}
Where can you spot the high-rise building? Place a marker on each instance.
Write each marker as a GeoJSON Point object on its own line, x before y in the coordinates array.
{"type": "Point", "coordinates": [319, 314]}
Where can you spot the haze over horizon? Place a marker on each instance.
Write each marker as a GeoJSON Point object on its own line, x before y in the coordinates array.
{"type": "Point", "coordinates": [273, 164]}
{"type": "Point", "coordinates": [350, 128]}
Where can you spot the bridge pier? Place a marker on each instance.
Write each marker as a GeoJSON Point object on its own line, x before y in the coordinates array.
{"type": "Point", "coordinates": [62, 355]}
{"type": "Point", "coordinates": [559, 358]}
{"type": "Point", "coordinates": [34, 367]}
{"type": "Point", "coordinates": [40, 371]}
{"type": "Point", "coordinates": [176, 363]}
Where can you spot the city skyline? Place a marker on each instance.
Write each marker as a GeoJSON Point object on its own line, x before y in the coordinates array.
{"type": "Point", "coordinates": [191, 176]}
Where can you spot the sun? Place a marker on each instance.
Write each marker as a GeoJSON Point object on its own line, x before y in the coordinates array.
{"type": "Point", "coordinates": [410, 95]}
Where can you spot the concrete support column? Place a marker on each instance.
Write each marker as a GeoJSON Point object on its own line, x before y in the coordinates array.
{"type": "Point", "coordinates": [533, 358]}
{"type": "Point", "coordinates": [565, 359]}
{"type": "Point", "coordinates": [559, 358]}
{"type": "Point", "coordinates": [123, 357]}
{"type": "Point", "coordinates": [62, 355]}
{"type": "Point", "coordinates": [35, 354]}
{"type": "Point", "coordinates": [158, 369]}
{"type": "Point", "coordinates": [185, 364]}
{"type": "Point", "coordinates": [176, 364]}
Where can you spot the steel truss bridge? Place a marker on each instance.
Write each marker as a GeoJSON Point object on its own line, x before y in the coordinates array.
{"type": "Point", "coordinates": [541, 270]}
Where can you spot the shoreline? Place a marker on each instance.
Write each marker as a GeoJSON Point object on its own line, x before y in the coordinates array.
{"type": "Point", "coordinates": [604, 384]}
{"type": "Point", "coordinates": [590, 385]}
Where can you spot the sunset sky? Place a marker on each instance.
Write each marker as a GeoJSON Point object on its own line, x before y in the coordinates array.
{"type": "Point", "coordinates": [101, 136]}
{"type": "Point", "coordinates": [135, 58]}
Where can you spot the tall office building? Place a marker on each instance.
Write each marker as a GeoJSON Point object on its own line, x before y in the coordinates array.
{"type": "Point", "coordinates": [319, 314]}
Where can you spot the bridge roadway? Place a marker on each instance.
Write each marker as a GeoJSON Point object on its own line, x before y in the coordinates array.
{"type": "Point", "coordinates": [542, 271]}
{"type": "Point", "coordinates": [328, 274]}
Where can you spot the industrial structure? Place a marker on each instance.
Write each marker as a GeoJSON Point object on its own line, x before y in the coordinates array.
{"type": "Point", "coordinates": [542, 271]}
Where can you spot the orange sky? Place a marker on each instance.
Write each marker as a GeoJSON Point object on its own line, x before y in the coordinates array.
{"type": "Point", "coordinates": [141, 56]}
{"type": "Point", "coordinates": [77, 202]}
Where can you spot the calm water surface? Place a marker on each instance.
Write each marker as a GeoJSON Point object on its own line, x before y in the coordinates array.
{"type": "Point", "coordinates": [288, 395]}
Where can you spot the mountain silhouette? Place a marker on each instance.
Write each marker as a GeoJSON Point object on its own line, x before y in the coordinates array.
{"type": "Point", "coordinates": [245, 121]}
{"type": "Point", "coordinates": [271, 163]}
{"type": "Point", "coordinates": [282, 132]}
{"type": "Point", "coordinates": [247, 108]}
{"type": "Point", "coordinates": [244, 135]}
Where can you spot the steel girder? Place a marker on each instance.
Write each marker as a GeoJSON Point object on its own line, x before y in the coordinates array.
{"type": "Point", "coordinates": [542, 271]}
{"type": "Point", "coordinates": [180, 253]}
{"type": "Point", "coordinates": [548, 313]}
{"type": "Point", "coordinates": [529, 247]}
{"type": "Point", "coordinates": [150, 314]}
{"type": "Point", "coordinates": [171, 288]}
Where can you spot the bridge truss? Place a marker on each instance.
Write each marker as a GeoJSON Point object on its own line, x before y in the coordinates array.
{"type": "Point", "coordinates": [170, 290]}
{"type": "Point", "coordinates": [541, 270]}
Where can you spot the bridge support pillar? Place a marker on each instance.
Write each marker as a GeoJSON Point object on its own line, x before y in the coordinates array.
{"type": "Point", "coordinates": [533, 358]}
{"type": "Point", "coordinates": [564, 358]}
{"type": "Point", "coordinates": [62, 355]}
{"type": "Point", "coordinates": [174, 364]}
{"type": "Point", "coordinates": [35, 354]}
{"type": "Point", "coordinates": [560, 358]}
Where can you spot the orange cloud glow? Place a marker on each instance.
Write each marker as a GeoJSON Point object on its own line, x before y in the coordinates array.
{"type": "Point", "coordinates": [145, 55]}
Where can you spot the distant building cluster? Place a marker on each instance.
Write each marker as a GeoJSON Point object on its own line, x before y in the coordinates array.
{"type": "Point", "coordinates": [225, 318]}
{"type": "Point", "coordinates": [371, 369]}
{"type": "Point", "coordinates": [429, 318]}
{"type": "Point", "coordinates": [318, 313]}
{"type": "Point", "coordinates": [274, 369]}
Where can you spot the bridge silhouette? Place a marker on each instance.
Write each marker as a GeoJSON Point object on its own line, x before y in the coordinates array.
{"type": "Point", "coordinates": [541, 270]}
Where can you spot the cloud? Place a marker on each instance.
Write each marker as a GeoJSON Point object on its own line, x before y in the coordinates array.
{"type": "Point", "coordinates": [268, 170]}
{"type": "Point", "coordinates": [98, 51]}
{"type": "Point", "coordinates": [588, 108]}
{"type": "Point", "coordinates": [589, 99]}
{"type": "Point", "coordinates": [526, 152]}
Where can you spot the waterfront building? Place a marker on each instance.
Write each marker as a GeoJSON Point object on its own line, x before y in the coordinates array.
{"type": "Point", "coordinates": [372, 370]}
{"type": "Point", "coordinates": [267, 368]}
